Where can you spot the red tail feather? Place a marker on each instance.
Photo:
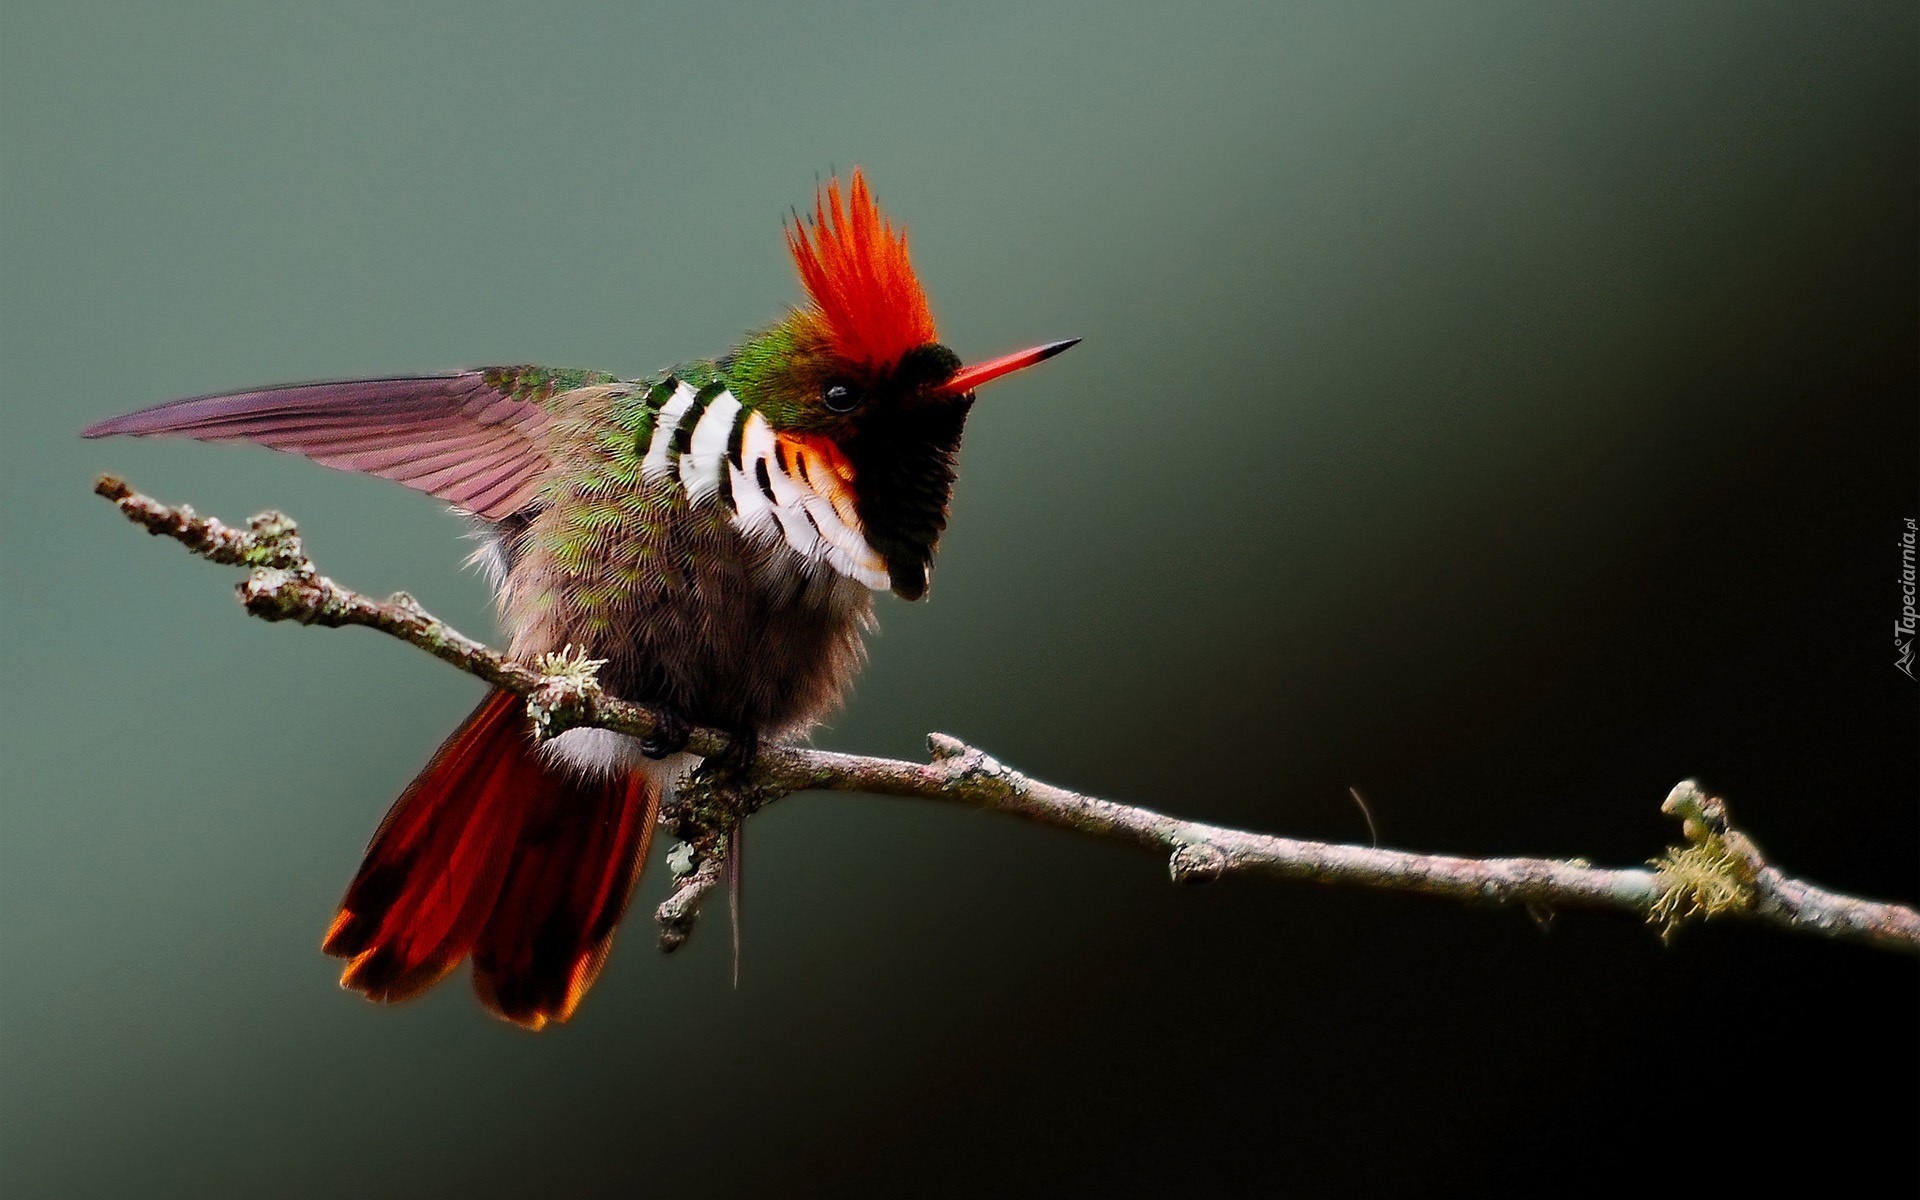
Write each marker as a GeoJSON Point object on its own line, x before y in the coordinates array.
{"type": "Point", "coordinates": [492, 853]}
{"type": "Point", "coordinates": [580, 852]}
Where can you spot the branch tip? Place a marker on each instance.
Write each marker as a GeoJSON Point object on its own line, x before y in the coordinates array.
{"type": "Point", "coordinates": [943, 747]}
{"type": "Point", "coordinates": [696, 872]}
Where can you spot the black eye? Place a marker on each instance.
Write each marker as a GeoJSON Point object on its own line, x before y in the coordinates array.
{"type": "Point", "coordinates": [841, 397]}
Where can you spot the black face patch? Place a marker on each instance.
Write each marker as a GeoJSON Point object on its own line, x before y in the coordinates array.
{"type": "Point", "coordinates": [925, 367]}
{"type": "Point", "coordinates": [902, 451]}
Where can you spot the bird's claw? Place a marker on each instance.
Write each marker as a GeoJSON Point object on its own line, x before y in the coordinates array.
{"type": "Point", "coordinates": [734, 763]}
{"type": "Point", "coordinates": [670, 734]}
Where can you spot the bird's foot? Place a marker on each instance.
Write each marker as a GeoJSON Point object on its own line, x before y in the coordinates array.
{"type": "Point", "coordinates": [670, 734]}
{"type": "Point", "coordinates": [735, 763]}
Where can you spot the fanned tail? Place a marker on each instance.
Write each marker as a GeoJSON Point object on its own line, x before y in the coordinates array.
{"type": "Point", "coordinates": [581, 850]}
{"type": "Point", "coordinates": [433, 870]}
{"type": "Point", "coordinates": [492, 852]}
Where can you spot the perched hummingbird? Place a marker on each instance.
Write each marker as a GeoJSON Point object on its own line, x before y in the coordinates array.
{"type": "Point", "coordinates": [714, 534]}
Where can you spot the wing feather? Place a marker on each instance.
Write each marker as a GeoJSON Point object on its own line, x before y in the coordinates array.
{"type": "Point", "coordinates": [475, 439]}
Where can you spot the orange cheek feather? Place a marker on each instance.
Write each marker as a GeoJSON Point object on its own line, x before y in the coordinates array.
{"type": "Point", "coordinates": [819, 465]}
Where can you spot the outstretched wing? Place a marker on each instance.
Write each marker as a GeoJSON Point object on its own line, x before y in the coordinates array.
{"type": "Point", "coordinates": [473, 438]}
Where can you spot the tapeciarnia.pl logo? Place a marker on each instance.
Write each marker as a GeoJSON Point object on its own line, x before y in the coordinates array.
{"type": "Point", "coordinates": [1903, 628]}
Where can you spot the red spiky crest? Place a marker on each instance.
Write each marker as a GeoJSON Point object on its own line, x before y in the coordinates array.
{"type": "Point", "coordinates": [858, 277]}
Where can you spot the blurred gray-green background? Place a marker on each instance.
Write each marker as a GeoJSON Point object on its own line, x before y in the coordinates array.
{"type": "Point", "coordinates": [1507, 410]}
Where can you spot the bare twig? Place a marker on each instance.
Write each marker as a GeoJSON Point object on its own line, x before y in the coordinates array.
{"type": "Point", "coordinates": [1718, 872]}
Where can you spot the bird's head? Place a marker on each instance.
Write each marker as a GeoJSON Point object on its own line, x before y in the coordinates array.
{"type": "Point", "coordinates": [859, 374]}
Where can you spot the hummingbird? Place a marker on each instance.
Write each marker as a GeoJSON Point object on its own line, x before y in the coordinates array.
{"type": "Point", "coordinates": [714, 536]}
